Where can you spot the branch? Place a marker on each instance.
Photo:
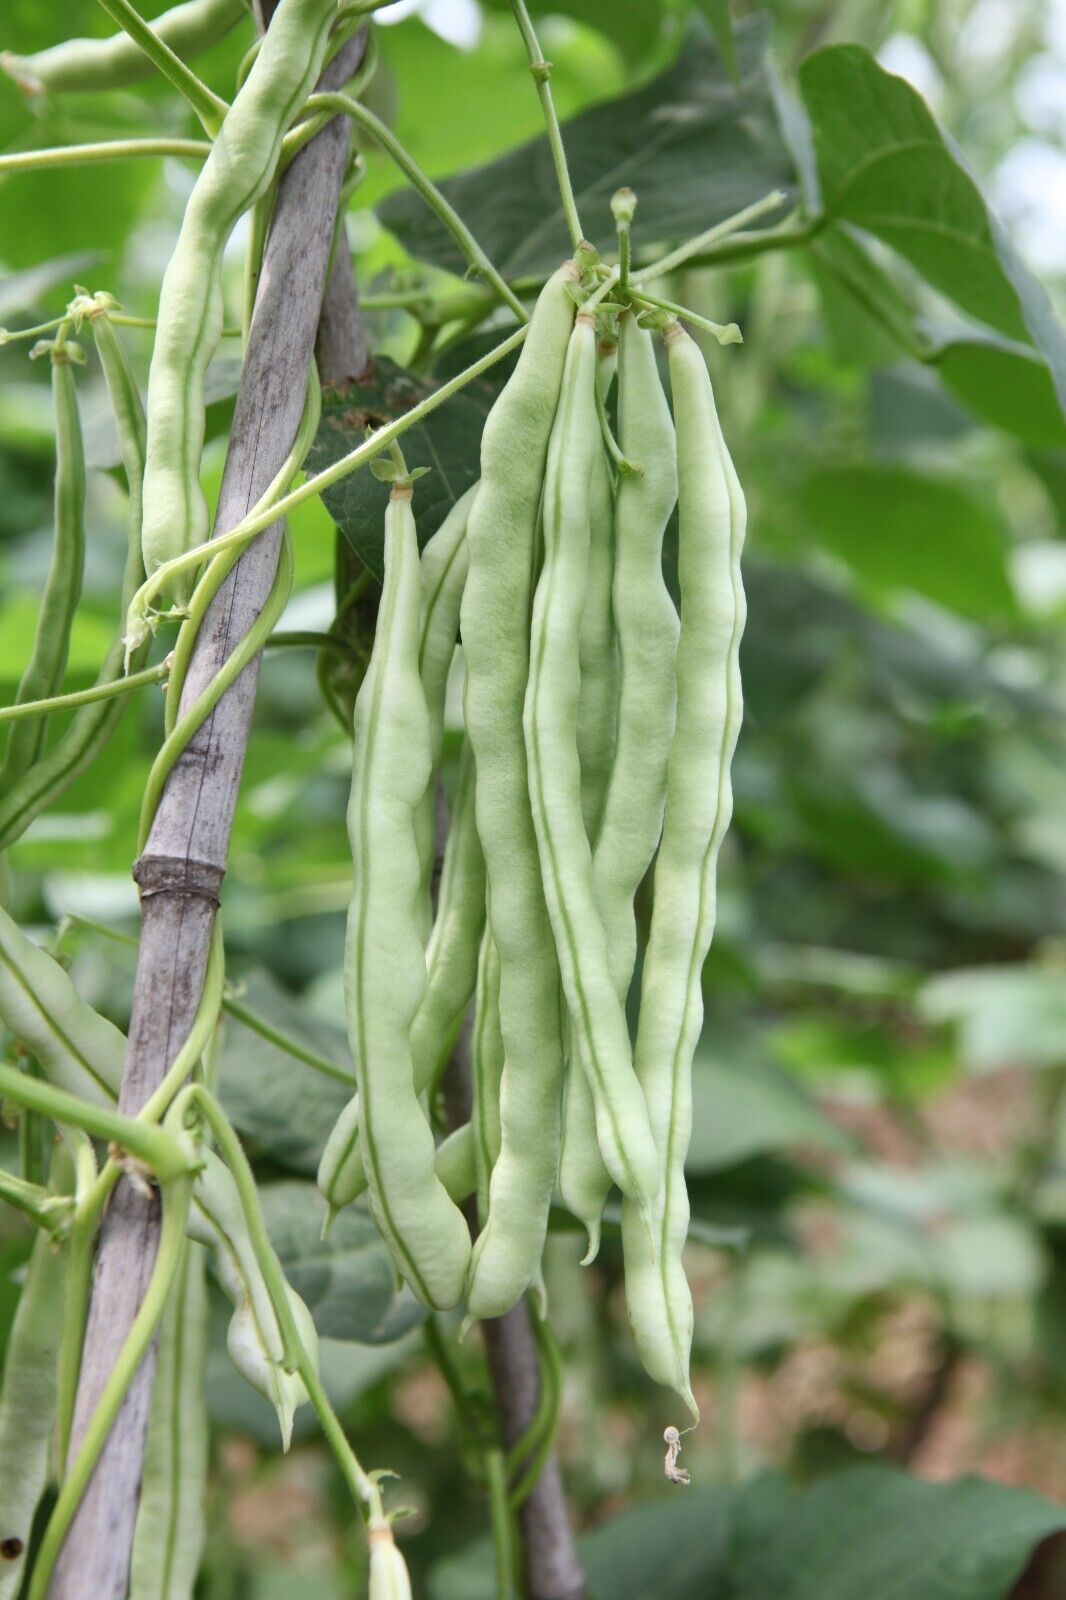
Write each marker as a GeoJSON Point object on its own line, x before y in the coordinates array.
{"type": "Point", "coordinates": [180, 871]}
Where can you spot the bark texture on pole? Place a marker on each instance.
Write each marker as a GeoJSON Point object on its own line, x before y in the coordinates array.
{"type": "Point", "coordinates": [180, 872]}
{"type": "Point", "coordinates": [551, 1566]}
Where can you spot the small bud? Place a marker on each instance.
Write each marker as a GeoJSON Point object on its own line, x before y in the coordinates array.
{"type": "Point", "coordinates": [623, 205]}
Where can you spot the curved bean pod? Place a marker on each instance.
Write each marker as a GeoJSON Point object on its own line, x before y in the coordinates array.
{"type": "Point", "coordinates": [253, 1339]}
{"type": "Point", "coordinates": [597, 1020]}
{"type": "Point", "coordinates": [237, 172]}
{"type": "Point", "coordinates": [62, 589]}
{"type": "Point", "coordinates": [501, 536]}
{"type": "Point", "coordinates": [699, 803]}
{"type": "Point", "coordinates": [444, 564]}
{"type": "Point", "coordinates": [78, 66]}
{"type": "Point", "coordinates": [597, 650]}
{"type": "Point", "coordinates": [486, 1069]}
{"type": "Point", "coordinates": [647, 624]}
{"type": "Point", "coordinates": [454, 1163]}
{"type": "Point", "coordinates": [451, 964]}
{"type": "Point", "coordinates": [171, 1528]}
{"type": "Point", "coordinates": [76, 1048]}
{"type": "Point", "coordinates": [28, 1408]}
{"type": "Point", "coordinates": [384, 962]}
{"type": "Point", "coordinates": [92, 726]}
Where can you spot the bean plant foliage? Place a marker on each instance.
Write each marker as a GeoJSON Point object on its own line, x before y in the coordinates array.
{"type": "Point", "coordinates": [877, 1245]}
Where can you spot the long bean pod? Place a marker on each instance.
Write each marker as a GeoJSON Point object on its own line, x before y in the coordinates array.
{"type": "Point", "coordinates": [486, 1069]}
{"type": "Point", "coordinates": [384, 959]}
{"type": "Point", "coordinates": [28, 1408]}
{"type": "Point", "coordinates": [647, 628]}
{"type": "Point", "coordinates": [171, 1526]}
{"type": "Point", "coordinates": [699, 803]}
{"type": "Point", "coordinates": [597, 1021]}
{"type": "Point", "coordinates": [78, 66]}
{"type": "Point", "coordinates": [451, 963]}
{"type": "Point", "coordinates": [501, 536]}
{"type": "Point", "coordinates": [238, 170]}
{"type": "Point", "coordinates": [91, 727]}
{"type": "Point", "coordinates": [62, 589]}
{"type": "Point", "coordinates": [76, 1048]}
{"type": "Point", "coordinates": [444, 563]}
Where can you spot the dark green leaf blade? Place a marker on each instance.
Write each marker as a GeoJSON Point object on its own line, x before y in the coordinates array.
{"type": "Point", "coordinates": [695, 147]}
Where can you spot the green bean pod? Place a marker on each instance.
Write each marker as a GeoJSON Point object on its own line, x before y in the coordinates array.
{"type": "Point", "coordinates": [28, 1408]}
{"type": "Point", "coordinates": [597, 651]}
{"type": "Point", "coordinates": [91, 727]}
{"type": "Point", "coordinates": [43, 675]}
{"type": "Point", "coordinates": [486, 1069]}
{"type": "Point", "coordinates": [76, 1048]}
{"type": "Point", "coordinates": [253, 1339]}
{"type": "Point", "coordinates": [385, 968]}
{"type": "Point", "coordinates": [501, 537]}
{"type": "Point", "coordinates": [451, 964]}
{"type": "Point", "coordinates": [241, 166]}
{"type": "Point", "coordinates": [78, 66]}
{"type": "Point", "coordinates": [444, 564]}
{"type": "Point", "coordinates": [171, 1529]}
{"type": "Point", "coordinates": [699, 804]}
{"type": "Point", "coordinates": [647, 627]}
{"type": "Point", "coordinates": [597, 1021]}
{"type": "Point", "coordinates": [454, 1163]}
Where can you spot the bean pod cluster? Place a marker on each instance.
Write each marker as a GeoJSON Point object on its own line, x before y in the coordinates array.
{"type": "Point", "coordinates": [599, 720]}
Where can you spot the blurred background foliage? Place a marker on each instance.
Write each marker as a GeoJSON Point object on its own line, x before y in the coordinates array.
{"type": "Point", "coordinates": [878, 1167]}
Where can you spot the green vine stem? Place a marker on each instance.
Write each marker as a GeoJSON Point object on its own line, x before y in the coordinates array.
{"type": "Point", "coordinates": [721, 230]}
{"type": "Point", "coordinates": [209, 107]}
{"type": "Point", "coordinates": [504, 1546]}
{"type": "Point", "coordinates": [176, 1196]}
{"type": "Point", "coordinates": [150, 1145]}
{"type": "Point", "coordinates": [196, 1101]}
{"type": "Point", "coordinates": [45, 1209]}
{"type": "Point", "coordinates": [77, 1283]}
{"type": "Point", "coordinates": [441, 207]}
{"type": "Point", "coordinates": [85, 697]}
{"type": "Point", "coordinates": [725, 333]}
{"type": "Point", "coordinates": [258, 520]}
{"type": "Point", "coordinates": [80, 155]}
{"type": "Point", "coordinates": [541, 71]}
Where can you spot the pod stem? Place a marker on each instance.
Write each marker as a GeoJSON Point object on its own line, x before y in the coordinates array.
{"type": "Point", "coordinates": [541, 71]}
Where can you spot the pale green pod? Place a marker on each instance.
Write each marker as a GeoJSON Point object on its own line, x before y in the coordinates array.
{"type": "Point", "coordinates": [454, 1163]}
{"type": "Point", "coordinates": [239, 170]}
{"type": "Point", "coordinates": [43, 674]}
{"type": "Point", "coordinates": [168, 1542]}
{"type": "Point", "coordinates": [598, 1026]}
{"type": "Point", "coordinates": [75, 1047]}
{"type": "Point", "coordinates": [597, 705]}
{"type": "Point", "coordinates": [501, 538]}
{"type": "Point", "coordinates": [486, 1069]}
{"type": "Point", "coordinates": [699, 803]}
{"type": "Point", "coordinates": [451, 963]}
{"type": "Point", "coordinates": [78, 66]}
{"type": "Point", "coordinates": [28, 1408]}
{"type": "Point", "coordinates": [385, 967]}
{"type": "Point", "coordinates": [443, 566]}
{"type": "Point", "coordinates": [253, 1338]}
{"type": "Point", "coordinates": [89, 729]}
{"type": "Point", "coordinates": [647, 628]}
{"type": "Point", "coordinates": [389, 1579]}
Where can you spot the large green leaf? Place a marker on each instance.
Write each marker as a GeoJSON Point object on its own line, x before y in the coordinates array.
{"type": "Point", "coordinates": [448, 442]}
{"type": "Point", "coordinates": [873, 1533]}
{"type": "Point", "coordinates": [745, 1108]}
{"type": "Point", "coordinates": [904, 530]}
{"type": "Point", "coordinates": [347, 1278]}
{"type": "Point", "coordinates": [695, 147]}
{"type": "Point", "coordinates": [1004, 1016]}
{"type": "Point", "coordinates": [886, 166]}
{"type": "Point", "coordinates": [632, 24]}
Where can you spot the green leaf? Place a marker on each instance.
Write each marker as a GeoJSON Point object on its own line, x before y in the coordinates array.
{"type": "Point", "coordinates": [284, 1107]}
{"type": "Point", "coordinates": [873, 1533]}
{"type": "Point", "coordinates": [694, 146]}
{"type": "Point", "coordinates": [902, 530]}
{"type": "Point", "coordinates": [1006, 384]}
{"type": "Point", "coordinates": [1004, 1016]}
{"type": "Point", "coordinates": [632, 24]}
{"type": "Point", "coordinates": [886, 166]}
{"type": "Point", "coordinates": [746, 1108]}
{"type": "Point", "coordinates": [347, 1278]}
{"type": "Point", "coordinates": [448, 442]}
